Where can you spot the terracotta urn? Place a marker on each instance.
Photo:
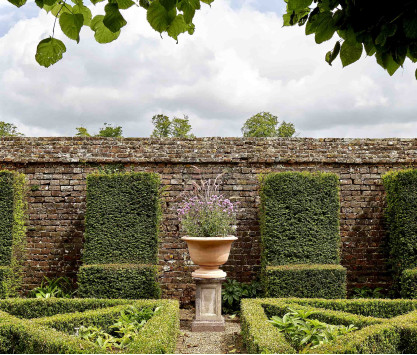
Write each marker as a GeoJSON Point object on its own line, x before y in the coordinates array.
{"type": "Point", "coordinates": [209, 253]}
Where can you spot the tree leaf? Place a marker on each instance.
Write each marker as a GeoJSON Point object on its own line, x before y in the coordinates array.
{"type": "Point", "coordinates": [49, 51]}
{"type": "Point", "coordinates": [208, 2]}
{"type": "Point", "coordinates": [113, 19]}
{"type": "Point", "coordinates": [325, 27]}
{"type": "Point", "coordinates": [96, 1]}
{"type": "Point", "coordinates": [168, 4]}
{"type": "Point", "coordinates": [350, 52]}
{"type": "Point", "coordinates": [17, 3]}
{"type": "Point", "coordinates": [386, 61]}
{"type": "Point", "coordinates": [416, 74]}
{"type": "Point", "coordinates": [51, 2]}
{"type": "Point", "coordinates": [188, 7]}
{"type": "Point", "coordinates": [123, 4]}
{"type": "Point", "coordinates": [410, 27]}
{"type": "Point", "coordinates": [177, 27]}
{"type": "Point", "coordinates": [71, 25]}
{"type": "Point", "coordinates": [101, 33]}
{"type": "Point", "coordinates": [158, 17]}
{"type": "Point", "coordinates": [332, 55]}
{"type": "Point", "coordinates": [295, 5]}
{"type": "Point", "coordinates": [85, 11]}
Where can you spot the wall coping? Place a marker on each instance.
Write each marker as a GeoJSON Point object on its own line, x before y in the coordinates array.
{"type": "Point", "coordinates": [222, 150]}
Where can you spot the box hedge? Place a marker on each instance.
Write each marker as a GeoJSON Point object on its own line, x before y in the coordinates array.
{"type": "Point", "coordinates": [122, 215]}
{"type": "Point", "coordinates": [13, 207]}
{"type": "Point", "coordinates": [300, 236]}
{"type": "Point", "coordinates": [121, 236]}
{"type": "Point", "coordinates": [408, 283]}
{"type": "Point", "coordinates": [300, 218]}
{"type": "Point", "coordinates": [54, 334]}
{"type": "Point", "coordinates": [385, 326]}
{"type": "Point", "coordinates": [401, 220]}
{"type": "Point", "coordinates": [119, 281]}
{"type": "Point", "coordinates": [305, 280]}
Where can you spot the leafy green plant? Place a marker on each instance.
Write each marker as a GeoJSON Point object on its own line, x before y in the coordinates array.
{"type": "Point", "coordinates": [386, 30]}
{"type": "Point", "coordinates": [305, 333]}
{"type": "Point", "coordinates": [234, 291]}
{"type": "Point", "coordinates": [367, 292]}
{"type": "Point", "coordinates": [122, 333]}
{"type": "Point", "coordinates": [60, 287]}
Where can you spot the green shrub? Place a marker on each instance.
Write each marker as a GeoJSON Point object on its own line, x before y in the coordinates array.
{"type": "Point", "coordinates": [401, 218]}
{"type": "Point", "coordinates": [118, 281]}
{"type": "Point", "coordinates": [122, 215]}
{"type": "Point", "coordinates": [300, 218]}
{"type": "Point", "coordinates": [324, 281]}
{"type": "Point", "coordinates": [19, 336]}
{"type": "Point", "coordinates": [38, 307]}
{"type": "Point", "coordinates": [54, 334]}
{"type": "Point", "coordinates": [375, 335]}
{"type": "Point", "coordinates": [4, 273]}
{"type": "Point", "coordinates": [13, 208]}
{"type": "Point", "coordinates": [408, 283]}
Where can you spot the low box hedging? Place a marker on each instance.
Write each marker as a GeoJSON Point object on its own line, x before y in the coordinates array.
{"type": "Point", "coordinates": [122, 215]}
{"type": "Point", "coordinates": [54, 334]}
{"type": "Point", "coordinates": [38, 307]}
{"type": "Point", "coordinates": [307, 280]}
{"type": "Point", "coordinates": [118, 281]}
{"type": "Point", "coordinates": [300, 218]}
{"type": "Point", "coordinates": [408, 283]}
{"type": "Point", "coordinates": [13, 206]}
{"type": "Point", "coordinates": [395, 333]}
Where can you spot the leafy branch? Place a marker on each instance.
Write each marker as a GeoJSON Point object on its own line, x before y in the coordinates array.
{"type": "Point", "coordinates": [173, 17]}
{"type": "Point", "coordinates": [384, 29]}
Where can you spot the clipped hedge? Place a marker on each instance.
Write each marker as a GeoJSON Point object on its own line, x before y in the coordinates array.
{"type": "Point", "coordinates": [4, 274]}
{"type": "Point", "coordinates": [408, 283]}
{"type": "Point", "coordinates": [393, 334]}
{"type": "Point", "coordinates": [18, 336]}
{"type": "Point", "coordinates": [306, 280]}
{"type": "Point", "coordinates": [122, 215]}
{"type": "Point", "coordinates": [54, 334]}
{"type": "Point", "coordinates": [300, 218]}
{"type": "Point", "coordinates": [13, 208]}
{"type": "Point", "coordinates": [401, 219]}
{"type": "Point", "coordinates": [118, 281]}
{"type": "Point", "coordinates": [39, 307]}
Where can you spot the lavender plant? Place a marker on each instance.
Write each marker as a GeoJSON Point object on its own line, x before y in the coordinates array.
{"type": "Point", "coordinates": [205, 212]}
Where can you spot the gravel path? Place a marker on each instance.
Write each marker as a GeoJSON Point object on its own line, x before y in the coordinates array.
{"type": "Point", "coordinates": [227, 342]}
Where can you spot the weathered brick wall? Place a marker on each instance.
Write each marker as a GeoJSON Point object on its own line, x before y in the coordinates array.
{"type": "Point", "coordinates": [57, 170]}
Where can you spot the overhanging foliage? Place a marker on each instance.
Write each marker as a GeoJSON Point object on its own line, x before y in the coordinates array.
{"type": "Point", "coordinates": [386, 29]}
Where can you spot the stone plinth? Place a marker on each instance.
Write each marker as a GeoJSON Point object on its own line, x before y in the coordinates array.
{"type": "Point", "coordinates": [208, 306]}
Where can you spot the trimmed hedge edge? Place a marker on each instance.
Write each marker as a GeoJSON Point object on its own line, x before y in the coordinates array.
{"type": "Point", "coordinates": [305, 280]}
{"type": "Point", "coordinates": [375, 335]}
{"type": "Point", "coordinates": [53, 334]}
{"type": "Point", "coordinates": [131, 281]}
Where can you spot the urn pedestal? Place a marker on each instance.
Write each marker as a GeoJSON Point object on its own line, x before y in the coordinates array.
{"type": "Point", "coordinates": [208, 306]}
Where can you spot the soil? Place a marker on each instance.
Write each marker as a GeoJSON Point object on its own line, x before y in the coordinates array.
{"type": "Point", "coordinates": [227, 342]}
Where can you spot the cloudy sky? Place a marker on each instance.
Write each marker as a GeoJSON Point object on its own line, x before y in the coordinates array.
{"type": "Point", "coordinates": [240, 61]}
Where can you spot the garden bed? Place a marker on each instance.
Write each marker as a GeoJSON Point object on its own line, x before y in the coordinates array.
{"type": "Point", "coordinates": [50, 325]}
{"type": "Point", "coordinates": [384, 326]}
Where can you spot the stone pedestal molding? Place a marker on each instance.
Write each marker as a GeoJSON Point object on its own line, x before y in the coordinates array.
{"type": "Point", "coordinates": [208, 306]}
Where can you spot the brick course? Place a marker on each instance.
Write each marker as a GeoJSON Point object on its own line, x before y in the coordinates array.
{"type": "Point", "coordinates": [57, 168]}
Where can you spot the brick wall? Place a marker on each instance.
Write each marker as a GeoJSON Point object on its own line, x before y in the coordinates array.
{"type": "Point", "coordinates": [57, 170]}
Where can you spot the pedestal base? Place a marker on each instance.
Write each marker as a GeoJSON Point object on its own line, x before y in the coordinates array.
{"type": "Point", "coordinates": [208, 306]}
{"type": "Point", "coordinates": [208, 326]}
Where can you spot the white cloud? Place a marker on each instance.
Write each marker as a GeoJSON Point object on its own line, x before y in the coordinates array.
{"type": "Point", "coordinates": [239, 62]}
